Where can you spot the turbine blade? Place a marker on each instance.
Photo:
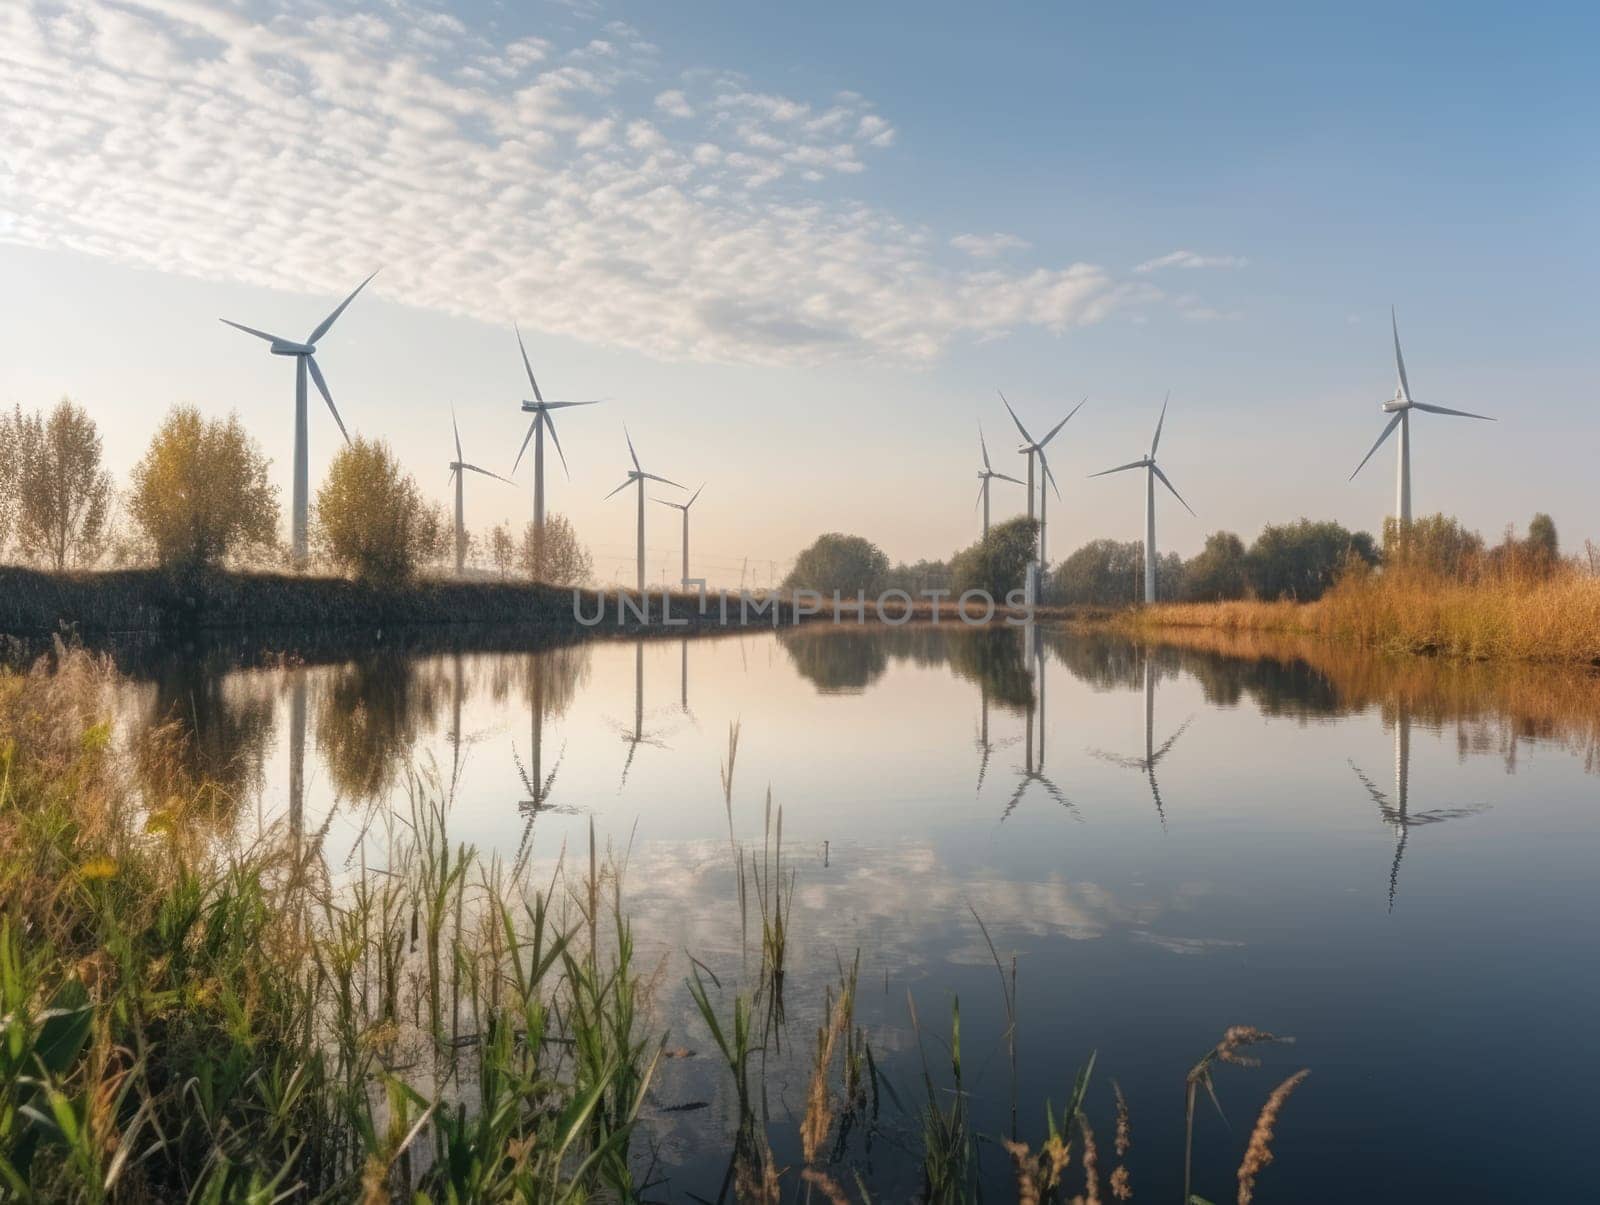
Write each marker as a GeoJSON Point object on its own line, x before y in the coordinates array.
{"type": "Point", "coordinates": [526, 440]}
{"type": "Point", "coordinates": [979, 499]}
{"type": "Point", "coordinates": [1062, 423]}
{"type": "Point", "coordinates": [250, 330]}
{"type": "Point", "coordinates": [1157, 440]}
{"type": "Point", "coordinates": [1399, 360]}
{"type": "Point", "coordinates": [1156, 469]}
{"type": "Point", "coordinates": [322, 327]}
{"type": "Point", "coordinates": [1132, 464]}
{"type": "Point", "coordinates": [663, 480]}
{"type": "Point", "coordinates": [619, 488]}
{"type": "Point", "coordinates": [674, 505]}
{"type": "Point", "coordinates": [564, 405]}
{"type": "Point", "coordinates": [1025, 436]}
{"type": "Point", "coordinates": [1393, 423]}
{"type": "Point", "coordinates": [550, 422]}
{"type": "Point", "coordinates": [457, 429]}
{"type": "Point", "coordinates": [693, 496]}
{"type": "Point", "coordinates": [1003, 477]}
{"type": "Point", "coordinates": [631, 452]}
{"type": "Point", "coordinates": [487, 473]}
{"type": "Point", "coordinates": [322, 388]}
{"type": "Point", "coordinates": [537, 396]}
{"type": "Point", "coordinates": [1447, 410]}
{"type": "Point", "coordinates": [982, 444]}
{"type": "Point", "coordinates": [1048, 475]}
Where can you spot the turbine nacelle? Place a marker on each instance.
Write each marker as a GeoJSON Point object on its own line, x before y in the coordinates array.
{"type": "Point", "coordinates": [1396, 404]}
{"type": "Point", "coordinates": [283, 348]}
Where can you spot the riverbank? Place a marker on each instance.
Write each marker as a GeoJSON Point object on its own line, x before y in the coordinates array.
{"type": "Point", "coordinates": [1554, 620]}
{"type": "Point", "coordinates": [132, 603]}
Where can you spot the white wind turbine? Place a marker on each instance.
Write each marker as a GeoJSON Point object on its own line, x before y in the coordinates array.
{"type": "Point", "coordinates": [1152, 471]}
{"type": "Point", "coordinates": [305, 361]}
{"type": "Point", "coordinates": [458, 472]}
{"type": "Point", "coordinates": [638, 476]}
{"type": "Point", "coordinates": [542, 418]}
{"type": "Point", "coordinates": [684, 507]}
{"type": "Point", "coordinates": [1030, 448]}
{"type": "Point", "coordinates": [1401, 406]}
{"type": "Point", "coordinates": [985, 475]}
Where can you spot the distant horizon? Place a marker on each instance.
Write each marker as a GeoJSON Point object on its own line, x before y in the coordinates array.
{"type": "Point", "coordinates": [764, 247]}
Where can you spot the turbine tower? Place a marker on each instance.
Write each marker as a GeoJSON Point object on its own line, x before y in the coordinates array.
{"type": "Point", "coordinates": [1152, 471]}
{"type": "Point", "coordinates": [985, 475]}
{"type": "Point", "coordinates": [1035, 447]}
{"type": "Point", "coordinates": [638, 476]}
{"type": "Point", "coordinates": [304, 354]}
{"type": "Point", "coordinates": [684, 507]}
{"type": "Point", "coordinates": [542, 418]}
{"type": "Point", "coordinates": [458, 471]}
{"type": "Point", "coordinates": [1401, 407]}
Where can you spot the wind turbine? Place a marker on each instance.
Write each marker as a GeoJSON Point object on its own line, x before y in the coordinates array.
{"type": "Point", "coordinates": [1396, 810]}
{"type": "Point", "coordinates": [1152, 471]}
{"type": "Point", "coordinates": [542, 418]}
{"type": "Point", "coordinates": [458, 472]}
{"type": "Point", "coordinates": [1152, 755]}
{"type": "Point", "coordinates": [538, 784]}
{"type": "Point", "coordinates": [1401, 406]}
{"type": "Point", "coordinates": [1034, 772]}
{"type": "Point", "coordinates": [986, 475]}
{"type": "Point", "coordinates": [1035, 447]}
{"type": "Point", "coordinates": [304, 361]}
{"type": "Point", "coordinates": [639, 476]}
{"type": "Point", "coordinates": [684, 507]}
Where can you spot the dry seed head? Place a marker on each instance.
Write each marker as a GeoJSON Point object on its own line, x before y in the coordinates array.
{"type": "Point", "coordinates": [1259, 1153]}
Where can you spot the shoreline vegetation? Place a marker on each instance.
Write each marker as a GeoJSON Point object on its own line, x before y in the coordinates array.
{"type": "Point", "coordinates": [191, 1012]}
{"type": "Point", "coordinates": [1552, 619]}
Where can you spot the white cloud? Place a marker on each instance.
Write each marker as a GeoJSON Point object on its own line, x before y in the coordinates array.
{"type": "Point", "coordinates": [1191, 259]}
{"type": "Point", "coordinates": [675, 104]}
{"type": "Point", "coordinates": [987, 246]}
{"type": "Point", "coordinates": [487, 179]}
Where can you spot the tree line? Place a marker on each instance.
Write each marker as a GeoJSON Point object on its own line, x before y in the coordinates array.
{"type": "Point", "coordinates": [1297, 561]}
{"type": "Point", "coordinates": [200, 499]}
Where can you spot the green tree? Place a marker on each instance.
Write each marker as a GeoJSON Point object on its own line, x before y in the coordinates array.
{"type": "Point", "coordinates": [63, 495]}
{"type": "Point", "coordinates": [562, 561]}
{"type": "Point", "coordinates": [1300, 560]}
{"type": "Point", "coordinates": [1105, 573]}
{"type": "Point", "coordinates": [200, 495]}
{"type": "Point", "coordinates": [998, 563]}
{"type": "Point", "coordinates": [839, 562]}
{"type": "Point", "coordinates": [370, 519]}
{"type": "Point", "coordinates": [1219, 571]}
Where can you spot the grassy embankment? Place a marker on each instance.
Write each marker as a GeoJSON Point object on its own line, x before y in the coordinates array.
{"type": "Point", "coordinates": [1554, 619]}
{"type": "Point", "coordinates": [189, 1015]}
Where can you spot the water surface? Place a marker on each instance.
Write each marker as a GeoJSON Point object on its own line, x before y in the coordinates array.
{"type": "Point", "coordinates": [1393, 862]}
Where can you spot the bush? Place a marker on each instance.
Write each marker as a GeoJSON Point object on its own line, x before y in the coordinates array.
{"type": "Point", "coordinates": [1220, 570]}
{"type": "Point", "coordinates": [1301, 560]}
{"type": "Point", "coordinates": [1434, 544]}
{"type": "Point", "coordinates": [1110, 573]}
{"type": "Point", "coordinates": [370, 519]}
{"type": "Point", "coordinates": [563, 561]}
{"type": "Point", "coordinates": [998, 563]}
{"type": "Point", "coordinates": [201, 495]}
{"type": "Point", "coordinates": [839, 562]}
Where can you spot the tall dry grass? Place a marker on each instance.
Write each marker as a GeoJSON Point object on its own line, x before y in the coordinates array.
{"type": "Point", "coordinates": [1510, 617]}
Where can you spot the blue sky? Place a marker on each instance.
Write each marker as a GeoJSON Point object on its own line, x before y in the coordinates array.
{"type": "Point", "coordinates": [799, 247]}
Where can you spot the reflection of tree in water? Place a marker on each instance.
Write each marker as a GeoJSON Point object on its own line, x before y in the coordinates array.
{"type": "Point", "coordinates": [837, 660]}
{"type": "Point", "coordinates": [205, 733]}
{"type": "Point", "coordinates": [842, 660]}
{"type": "Point", "coordinates": [552, 675]}
{"type": "Point", "coordinates": [368, 718]}
{"type": "Point", "coordinates": [994, 659]}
